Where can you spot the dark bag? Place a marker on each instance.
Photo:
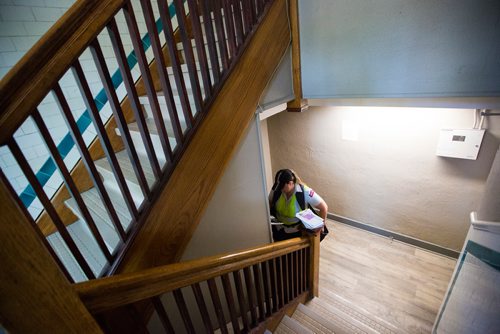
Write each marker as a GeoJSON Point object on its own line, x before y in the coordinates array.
{"type": "Point", "coordinates": [302, 203]}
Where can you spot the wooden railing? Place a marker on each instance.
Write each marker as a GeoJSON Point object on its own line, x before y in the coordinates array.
{"type": "Point", "coordinates": [256, 283]}
{"type": "Point", "coordinates": [219, 39]}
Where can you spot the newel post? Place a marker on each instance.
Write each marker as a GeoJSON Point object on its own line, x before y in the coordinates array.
{"type": "Point", "coordinates": [314, 265]}
{"type": "Point", "coordinates": [35, 297]}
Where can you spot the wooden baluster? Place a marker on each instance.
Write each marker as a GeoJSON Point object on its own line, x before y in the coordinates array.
{"type": "Point", "coordinates": [247, 18]}
{"type": "Point", "coordinates": [176, 63]}
{"type": "Point", "coordinates": [266, 281]}
{"type": "Point", "coordinates": [229, 23]}
{"type": "Point", "coordinates": [70, 184]}
{"type": "Point", "coordinates": [181, 304]}
{"type": "Point", "coordinates": [237, 22]}
{"type": "Point", "coordinates": [286, 278]}
{"type": "Point", "coordinates": [253, 12]}
{"type": "Point", "coordinates": [135, 37]}
{"type": "Point", "coordinates": [217, 305]}
{"type": "Point", "coordinates": [250, 293]}
{"type": "Point", "coordinates": [162, 314]}
{"type": "Point", "coordinates": [91, 168]}
{"type": "Point", "coordinates": [280, 279]}
{"type": "Point", "coordinates": [102, 68]}
{"type": "Point", "coordinates": [304, 270]}
{"type": "Point", "coordinates": [103, 138]}
{"type": "Point", "coordinates": [35, 227]}
{"type": "Point", "coordinates": [202, 307]}
{"type": "Point", "coordinates": [51, 211]}
{"type": "Point", "coordinates": [200, 47]}
{"type": "Point", "coordinates": [228, 292]}
{"type": "Point", "coordinates": [221, 37]}
{"type": "Point", "coordinates": [243, 17]}
{"type": "Point", "coordinates": [189, 56]}
{"type": "Point", "coordinates": [212, 47]}
{"type": "Point", "coordinates": [128, 81]}
{"type": "Point", "coordinates": [241, 300]}
{"type": "Point", "coordinates": [257, 273]}
{"type": "Point", "coordinates": [297, 272]}
{"type": "Point", "coordinates": [291, 276]}
{"type": "Point", "coordinates": [308, 267]}
{"type": "Point", "coordinates": [162, 70]}
{"type": "Point", "coordinates": [301, 269]}
{"type": "Point", "coordinates": [260, 7]}
{"type": "Point", "coordinates": [274, 284]}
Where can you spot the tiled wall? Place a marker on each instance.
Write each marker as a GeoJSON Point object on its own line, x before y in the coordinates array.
{"type": "Point", "coordinates": [22, 23]}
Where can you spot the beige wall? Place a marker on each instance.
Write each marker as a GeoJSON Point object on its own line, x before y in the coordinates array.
{"type": "Point", "coordinates": [390, 177]}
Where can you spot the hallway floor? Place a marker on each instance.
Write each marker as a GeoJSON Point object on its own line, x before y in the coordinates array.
{"type": "Point", "coordinates": [396, 282]}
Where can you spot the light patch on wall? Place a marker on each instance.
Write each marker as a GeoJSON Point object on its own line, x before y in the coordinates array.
{"type": "Point", "coordinates": [350, 130]}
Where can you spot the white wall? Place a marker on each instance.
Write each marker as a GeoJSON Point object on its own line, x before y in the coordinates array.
{"type": "Point", "coordinates": [390, 176]}
{"type": "Point", "coordinates": [236, 218]}
{"type": "Point", "coordinates": [394, 48]}
{"type": "Point", "coordinates": [237, 215]}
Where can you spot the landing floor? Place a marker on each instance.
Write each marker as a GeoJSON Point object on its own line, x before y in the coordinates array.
{"type": "Point", "coordinates": [399, 283]}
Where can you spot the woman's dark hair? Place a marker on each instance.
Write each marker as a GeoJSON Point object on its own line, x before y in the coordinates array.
{"type": "Point", "coordinates": [283, 176]}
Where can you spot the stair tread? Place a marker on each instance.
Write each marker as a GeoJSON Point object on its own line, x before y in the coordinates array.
{"type": "Point", "coordinates": [331, 301]}
{"type": "Point", "coordinates": [316, 322]}
{"type": "Point", "coordinates": [126, 167]}
{"type": "Point", "coordinates": [290, 325]}
{"type": "Point", "coordinates": [150, 123]}
{"type": "Point", "coordinates": [87, 245]}
{"type": "Point", "coordinates": [334, 322]}
{"type": "Point", "coordinates": [100, 216]}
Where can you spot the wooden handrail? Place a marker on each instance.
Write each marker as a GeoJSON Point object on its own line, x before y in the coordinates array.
{"type": "Point", "coordinates": [49, 59]}
{"type": "Point", "coordinates": [110, 292]}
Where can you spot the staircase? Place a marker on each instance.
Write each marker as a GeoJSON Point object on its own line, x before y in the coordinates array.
{"type": "Point", "coordinates": [79, 230]}
{"type": "Point", "coordinates": [137, 206]}
{"type": "Point", "coordinates": [333, 314]}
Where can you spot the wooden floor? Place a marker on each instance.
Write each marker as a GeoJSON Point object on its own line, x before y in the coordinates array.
{"type": "Point", "coordinates": [399, 283]}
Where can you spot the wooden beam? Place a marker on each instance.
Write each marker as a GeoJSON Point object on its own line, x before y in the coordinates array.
{"type": "Point", "coordinates": [35, 297]}
{"type": "Point", "coordinates": [177, 212]}
{"type": "Point", "coordinates": [298, 104]}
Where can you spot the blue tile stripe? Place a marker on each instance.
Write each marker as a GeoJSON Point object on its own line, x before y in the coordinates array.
{"type": "Point", "coordinates": [49, 167]}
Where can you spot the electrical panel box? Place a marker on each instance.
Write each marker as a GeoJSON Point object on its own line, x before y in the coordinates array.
{"type": "Point", "coordinates": [460, 143]}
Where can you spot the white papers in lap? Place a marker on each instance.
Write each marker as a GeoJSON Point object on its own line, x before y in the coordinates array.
{"type": "Point", "coordinates": [309, 219]}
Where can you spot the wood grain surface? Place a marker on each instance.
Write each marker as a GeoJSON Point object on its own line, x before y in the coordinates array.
{"type": "Point", "coordinates": [397, 282]}
{"type": "Point", "coordinates": [180, 207]}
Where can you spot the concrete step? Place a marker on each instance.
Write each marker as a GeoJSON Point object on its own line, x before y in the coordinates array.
{"type": "Point", "coordinates": [87, 245]}
{"type": "Point", "coordinates": [104, 168]}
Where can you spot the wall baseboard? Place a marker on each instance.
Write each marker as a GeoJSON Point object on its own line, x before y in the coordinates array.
{"type": "Point", "coordinates": [396, 236]}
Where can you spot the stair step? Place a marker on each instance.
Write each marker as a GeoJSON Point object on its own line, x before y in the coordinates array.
{"type": "Point", "coordinates": [331, 301]}
{"type": "Point", "coordinates": [289, 325]}
{"type": "Point", "coordinates": [87, 245]}
{"type": "Point", "coordinates": [106, 172]}
{"type": "Point", "coordinates": [100, 216]}
{"type": "Point", "coordinates": [316, 323]}
{"type": "Point", "coordinates": [144, 100]}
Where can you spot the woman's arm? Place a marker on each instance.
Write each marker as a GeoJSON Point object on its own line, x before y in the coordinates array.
{"type": "Point", "coordinates": [323, 209]}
